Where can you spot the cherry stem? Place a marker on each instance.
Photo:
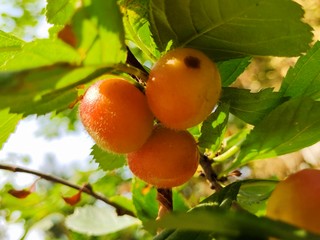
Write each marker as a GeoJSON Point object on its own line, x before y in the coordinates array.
{"type": "Point", "coordinates": [85, 188]}
{"type": "Point", "coordinates": [134, 71]}
{"type": "Point", "coordinates": [226, 155]}
{"type": "Point", "coordinates": [127, 68]}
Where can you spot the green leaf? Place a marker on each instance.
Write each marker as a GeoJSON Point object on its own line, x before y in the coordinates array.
{"type": "Point", "coordinates": [8, 123]}
{"type": "Point", "coordinates": [96, 221]}
{"type": "Point", "coordinates": [231, 69]}
{"type": "Point", "coordinates": [30, 92]}
{"type": "Point", "coordinates": [179, 202]}
{"type": "Point", "coordinates": [60, 11]}
{"type": "Point", "coordinates": [304, 78]}
{"type": "Point", "coordinates": [39, 53]}
{"type": "Point", "coordinates": [75, 77]}
{"type": "Point", "coordinates": [109, 183]}
{"type": "Point", "coordinates": [26, 207]}
{"type": "Point", "coordinates": [137, 26]}
{"type": "Point", "coordinates": [227, 29]}
{"type": "Point", "coordinates": [124, 202]}
{"type": "Point", "coordinates": [52, 103]}
{"type": "Point", "coordinates": [99, 30]}
{"type": "Point", "coordinates": [224, 223]}
{"type": "Point", "coordinates": [106, 160]}
{"type": "Point", "coordinates": [231, 147]}
{"type": "Point", "coordinates": [254, 193]}
{"type": "Point", "coordinates": [251, 107]}
{"type": "Point", "coordinates": [183, 235]}
{"type": "Point", "coordinates": [43, 90]}
{"type": "Point", "coordinates": [214, 127]}
{"type": "Point", "coordinates": [9, 46]}
{"type": "Point", "coordinates": [292, 126]}
{"type": "Point", "coordinates": [144, 199]}
{"type": "Point", "coordinates": [250, 194]}
{"type": "Point", "coordinates": [225, 196]}
{"type": "Point", "coordinates": [236, 139]}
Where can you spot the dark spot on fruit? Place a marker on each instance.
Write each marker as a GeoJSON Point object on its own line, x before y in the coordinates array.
{"type": "Point", "coordinates": [192, 62]}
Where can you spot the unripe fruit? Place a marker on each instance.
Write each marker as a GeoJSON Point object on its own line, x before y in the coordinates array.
{"type": "Point", "coordinates": [183, 88]}
{"type": "Point", "coordinates": [296, 200]}
{"type": "Point", "coordinates": [116, 115]}
{"type": "Point", "coordinates": [169, 158]}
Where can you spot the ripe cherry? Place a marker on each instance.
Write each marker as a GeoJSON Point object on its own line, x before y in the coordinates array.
{"type": "Point", "coordinates": [183, 88]}
{"type": "Point", "coordinates": [116, 115]}
{"type": "Point", "coordinates": [169, 158]}
{"type": "Point", "coordinates": [296, 200]}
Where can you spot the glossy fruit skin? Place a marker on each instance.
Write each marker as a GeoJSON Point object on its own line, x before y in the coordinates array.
{"type": "Point", "coordinates": [296, 200]}
{"type": "Point", "coordinates": [183, 88]}
{"type": "Point", "coordinates": [169, 158]}
{"type": "Point", "coordinates": [116, 115]}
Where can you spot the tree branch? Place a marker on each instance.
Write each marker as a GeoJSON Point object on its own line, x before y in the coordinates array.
{"type": "Point", "coordinates": [211, 176]}
{"type": "Point", "coordinates": [164, 197]}
{"type": "Point", "coordinates": [86, 188]}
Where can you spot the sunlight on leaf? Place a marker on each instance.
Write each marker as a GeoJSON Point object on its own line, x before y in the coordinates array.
{"type": "Point", "coordinates": [214, 128]}
{"type": "Point", "coordinates": [9, 45]}
{"type": "Point", "coordinates": [227, 29]}
{"type": "Point", "coordinates": [144, 200]}
{"type": "Point", "coordinates": [304, 78]}
{"type": "Point", "coordinates": [277, 135]}
{"type": "Point", "coordinates": [95, 221]}
{"type": "Point", "coordinates": [231, 69]}
{"type": "Point", "coordinates": [60, 11]}
{"type": "Point", "coordinates": [99, 30]}
{"type": "Point", "coordinates": [251, 107]}
{"type": "Point", "coordinates": [39, 53]}
{"type": "Point", "coordinates": [106, 160]}
{"type": "Point", "coordinates": [8, 123]}
{"type": "Point", "coordinates": [137, 26]}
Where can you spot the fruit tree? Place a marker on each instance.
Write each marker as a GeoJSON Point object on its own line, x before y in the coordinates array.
{"type": "Point", "coordinates": [200, 116]}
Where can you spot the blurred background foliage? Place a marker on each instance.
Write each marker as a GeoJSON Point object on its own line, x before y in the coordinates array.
{"type": "Point", "coordinates": [268, 72]}
{"type": "Point", "coordinates": [26, 20]}
{"type": "Point", "coordinates": [23, 18]}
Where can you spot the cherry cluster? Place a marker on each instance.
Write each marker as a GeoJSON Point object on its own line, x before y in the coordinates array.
{"type": "Point", "coordinates": [149, 123]}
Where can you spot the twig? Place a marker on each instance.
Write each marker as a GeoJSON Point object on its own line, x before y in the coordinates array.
{"type": "Point", "coordinates": [86, 188]}
{"type": "Point", "coordinates": [164, 197]}
{"type": "Point", "coordinates": [205, 163]}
